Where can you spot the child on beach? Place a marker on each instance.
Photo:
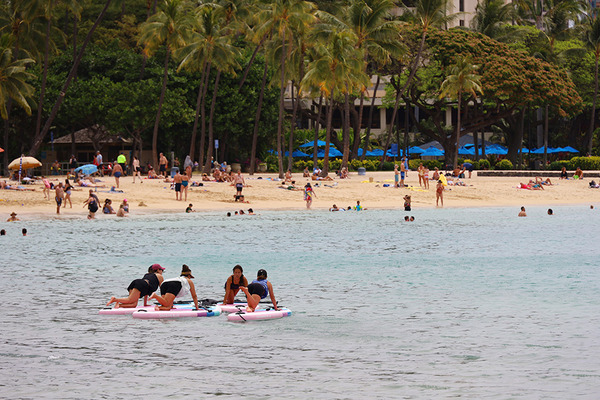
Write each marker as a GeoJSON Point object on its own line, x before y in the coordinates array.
{"type": "Point", "coordinates": [308, 195]}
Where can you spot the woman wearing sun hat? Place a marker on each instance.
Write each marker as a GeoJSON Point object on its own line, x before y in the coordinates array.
{"type": "Point", "coordinates": [13, 217]}
{"type": "Point", "coordinates": [140, 287]}
{"type": "Point", "coordinates": [175, 288]}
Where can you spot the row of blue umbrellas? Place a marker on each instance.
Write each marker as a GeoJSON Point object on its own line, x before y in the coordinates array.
{"type": "Point", "coordinates": [432, 151]}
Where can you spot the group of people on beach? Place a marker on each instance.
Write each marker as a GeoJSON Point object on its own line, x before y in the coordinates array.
{"type": "Point", "coordinates": [177, 288]}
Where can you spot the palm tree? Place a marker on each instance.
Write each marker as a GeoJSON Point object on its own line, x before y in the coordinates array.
{"type": "Point", "coordinates": [39, 138]}
{"type": "Point", "coordinates": [338, 66]}
{"type": "Point", "coordinates": [377, 37]}
{"type": "Point", "coordinates": [425, 14]}
{"type": "Point", "coordinates": [489, 17]}
{"type": "Point", "coordinates": [592, 41]}
{"type": "Point", "coordinates": [13, 85]}
{"type": "Point", "coordinates": [168, 27]}
{"type": "Point", "coordinates": [280, 19]}
{"type": "Point", "coordinates": [209, 45]}
{"type": "Point", "coordinates": [462, 79]}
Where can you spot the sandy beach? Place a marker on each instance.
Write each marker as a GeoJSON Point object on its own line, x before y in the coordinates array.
{"type": "Point", "coordinates": [374, 190]}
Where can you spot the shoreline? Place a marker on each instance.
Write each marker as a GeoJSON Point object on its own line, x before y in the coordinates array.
{"type": "Point", "coordinates": [374, 190]}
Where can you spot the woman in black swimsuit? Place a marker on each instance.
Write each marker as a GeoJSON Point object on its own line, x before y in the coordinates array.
{"type": "Point", "coordinates": [140, 287]}
{"type": "Point", "coordinates": [231, 287]}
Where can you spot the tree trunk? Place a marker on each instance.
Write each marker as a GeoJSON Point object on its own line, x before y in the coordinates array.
{"type": "Point", "coordinates": [281, 109]}
{"type": "Point", "coordinates": [75, 31]}
{"type": "Point", "coordinates": [370, 123]}
{"type": "Point", "coordinates": [197, 115]}
{"type": "Point", "coordinates": [160, 104]}
{"type": "Point", "coordinates": [546, 136]}
{"type": "Point", "coordinates": [40, 138]}
{"type": "Point", "coordinates": [593, 116]}
{"type": "Point", "coordinates": [357, 128]}
{"type": "Point", "coordinates": [257, 120]}
{"type": "Point", "coordinates": [201, 160]}
{"type": "Point", "coordinates": [291, 138]}
{"type": "Point", "coordinates": [209, 153]}
{"type": "Point", "coordinates": [250, 62]}
{"type": "Point", "coordinates": [6, 129]}
{"type": "Point", "coordinates": [457, 134]}
{"type": "Point", "coordinates": [38, 123]}
{"type": "Point", "coordinates": [316, 137]}
{"type": "Point", "coordinates": [325, 170]}
{"type": "Point", "coordinates": [346, 130]}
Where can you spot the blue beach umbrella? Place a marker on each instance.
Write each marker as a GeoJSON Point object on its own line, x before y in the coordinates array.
{"type": "Point", "coordinates": [463, 151]}
{"type": "Point", "coordinates": [333, 152]}
{"type": "Point", "coordinates": [312, 144]}
{"type": "Point", "coordinates": [496, 150]}
{"type": "Point", "coordinates": [569, 149]}
{"type": "Point", "coordinates": [415, 150]}
{"type": "Point", "coordinates": [297, 153]}
{"type": "Point", "coordinates": [87, 169]}
{"type": "Point", "coordinates": [432, 152]}
{"type": "Point", "coordinates": [375, 153]}
{"type": "Point", "coordinates": [541, 150]}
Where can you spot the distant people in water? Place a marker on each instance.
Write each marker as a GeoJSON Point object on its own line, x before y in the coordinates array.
{"type": "Point", "coordinates": [407, 202]}
{"type": "Point", "coordinates": [13, 217]}
{"type": "Point", "coordinates": [2, 232]}
{"type": "Point", "coordinates": [522, 213]}
{"type": "Point", "coordinates": [550, 212]}
{"type": "Point", "coordinates": [24, 231]}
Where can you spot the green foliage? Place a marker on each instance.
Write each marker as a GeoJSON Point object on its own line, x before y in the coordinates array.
{"type": "Point", "coordinates": [474, 163]}
{"type": "Point", "coordinates": [504, 165]}
{"type": "Point", "coordinates": [585, 163]}
{"type": "Point", "coordinates": [559, 164]}
{"type": "Point", "coordinates": [484, 164]}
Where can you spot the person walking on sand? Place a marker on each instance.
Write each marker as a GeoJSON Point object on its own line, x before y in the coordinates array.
{"type": "Point", "coordinates": [93, 203]}
{"type": "Point", "coordinates": [117, 172]}
{"type": "Point", "coordinates": [135, 164]}
{"type": "Point", "coordinates": [309, 193]}
{"type": "Point", "coordinates": [184, 186]}
{"type": "Point", "coordinates": [68, 189]}
{"type": "Point", "coordinates": [439, 193]}
{"type": "Point", "coordinates": [238, 181]}
{"type": "Point", "coordinates": [177, 179]}
{"type": "Point", "coordinates": [46, 190]}
{"type": "Point", "coordinates": [402, 173]}
{"type": "Point", "coordinates": [59, 195]}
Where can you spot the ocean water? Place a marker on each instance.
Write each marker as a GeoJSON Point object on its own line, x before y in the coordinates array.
{"type": "Point", "coordinates": [471, 303]}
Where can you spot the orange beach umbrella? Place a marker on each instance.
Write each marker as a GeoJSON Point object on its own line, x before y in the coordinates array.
{"type": "Point", "coordinates": [25, 163]}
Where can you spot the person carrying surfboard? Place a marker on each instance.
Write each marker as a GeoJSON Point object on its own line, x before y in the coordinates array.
{"type": "Point", "coordinates": [258, 290]}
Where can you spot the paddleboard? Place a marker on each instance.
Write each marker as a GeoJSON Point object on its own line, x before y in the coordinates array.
{"type": "Point", "coordinates": [126, 311]}
{"type": "Point", "coordinates": [232, 308]}
{"type": "Point", "coordinates": [177, 313]}
{"type": "Point", "coordinates": [243, 316]}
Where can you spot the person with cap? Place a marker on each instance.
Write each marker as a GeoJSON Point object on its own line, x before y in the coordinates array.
{"type": "Point", "coordinates": [140, 287]}
{"type": "Point", "coordinates": [175, 288]}
{"type": "Point", "coordinates": [231, 287]}
{"type": "Point", "coordinates": [13, 217]}
{"type": "Point", "coordinates": [258, 290]}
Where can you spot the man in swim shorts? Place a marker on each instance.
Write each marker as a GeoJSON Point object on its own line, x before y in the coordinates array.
{"type": "Point", "coordinates": [117, 172]}
{"type": "Point", "coordinates": [162, 163]}
{"type": "Point", "coordinates": [59, 196]}
{"type": "Point", "coordinates": [177, 179]}
{"type": "Point", "coordinates": [238, 180]}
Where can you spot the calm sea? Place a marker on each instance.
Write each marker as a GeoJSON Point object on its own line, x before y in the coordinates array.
{"type": "Point", "coordinates": [470, 303]}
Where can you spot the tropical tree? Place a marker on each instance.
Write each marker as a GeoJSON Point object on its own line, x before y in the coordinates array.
{"type": "Point", "coordinates": [490, 16]}
{"type": "Point", "coordinates": [592, 42]}
{"type": "Point", "coordinates": [337, 67]}
{"type": "Point", "coordinates": [280, 19]}
{"type": "Point", "coordinates": [169, 28]}
{"type": "Point", "coordinates": [209, 45]}
{"type": "Point", "coordinates": [13, 84]}
{"type": "Point", "coordinates": [426, 14]}
{"type": "Point", "coordinates": [462, 79]}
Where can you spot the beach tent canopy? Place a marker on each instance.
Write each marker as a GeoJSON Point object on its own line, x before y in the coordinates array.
{"type": "Point", "coordinates": [333, 152]}
{"type": "Point", "coordinates": [432, 152]}
{"type": "Point", "coordinates": [541, 150]}
{"type": "Point", "coordinates": [464, 151]}
{"type": "Point", "coordinates": [24, 163]}
{"type": "Point", "coordinates": [496, 149]}
{"type": "Point", "coordinates": [312, 144]}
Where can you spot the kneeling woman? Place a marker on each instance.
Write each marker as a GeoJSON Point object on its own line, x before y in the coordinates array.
{"type": "Point", "coordinates": [174, 288]}
{"type": "Point", "coordinates": [233, 284]}
{"type": "Point", "coordinates": [257, 290]}
{"type": "Point", "coordinates": [140, 287]}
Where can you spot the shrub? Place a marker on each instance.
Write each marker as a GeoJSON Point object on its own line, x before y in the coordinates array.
{"type": "Point", "coordinates": [484, 164]}
{"type": "Point", "coordinates": [299, 165]}
{"type": "Point", "coordinates": [504, 165]}
{"type": "Point", "coordinates": [355, 165]}
{"type": "Point", "coordinates": [589, 163]}
{"type": "Point", "coordinates": [335, 164]}
{"type": "Point", "coordinates": [474, 163]}
{"type": "Point", "coordinates": [414, 164]}
{"type": "Point", "coordinates": [558, 165]}
{"type": "Point", "coordinates": [389, 165]}
{"type": "Point", "coordinates": [371, 165]}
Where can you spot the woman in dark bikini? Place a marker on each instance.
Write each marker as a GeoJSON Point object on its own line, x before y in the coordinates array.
{"type": "Point", "coordinates": [140, 287]}
{"type": "Point", "coordinates": [232, 286]}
